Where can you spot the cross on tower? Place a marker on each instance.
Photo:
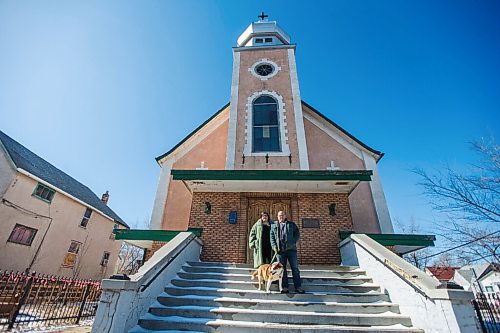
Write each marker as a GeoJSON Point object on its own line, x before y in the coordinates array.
{"type": "Point", "coordinates": [262, 16]}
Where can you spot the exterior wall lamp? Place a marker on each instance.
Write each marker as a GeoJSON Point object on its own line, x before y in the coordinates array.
{"type": "Point", "coordinates": [332, 209]}
{"type": "Point", "coordinates": [208, 208]}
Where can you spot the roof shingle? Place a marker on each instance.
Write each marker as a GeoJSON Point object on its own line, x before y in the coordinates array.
{"type": "Point", "coordinates": [25, 159]}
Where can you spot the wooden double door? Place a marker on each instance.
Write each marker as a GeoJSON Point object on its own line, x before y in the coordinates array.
{"type": "Point", "coordinates": [258, 205]}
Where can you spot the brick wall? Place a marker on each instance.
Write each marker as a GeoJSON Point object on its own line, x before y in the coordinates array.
{"type": "Point", "coordinates": [320, 246]}
{"type": "Point", "coordinates": [227, 242]}
{"type": "Point", "coordinates": [221, 241]}
{"type": "Point", "coordinates": [155, 247]}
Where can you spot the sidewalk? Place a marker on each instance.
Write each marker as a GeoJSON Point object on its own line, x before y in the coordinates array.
{"type": "Point", "coordinates": [80, 329]}
{"type": "Point", "coordinates": [74, 329]}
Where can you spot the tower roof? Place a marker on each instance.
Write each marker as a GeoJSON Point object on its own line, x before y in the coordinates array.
{"type": "Point", "coordinates": [263, 28]}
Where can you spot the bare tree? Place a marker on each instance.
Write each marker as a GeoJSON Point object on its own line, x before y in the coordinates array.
{"type": "Point", "coordinates": [129, 258]}
{"type": "Point", "coordinates": [416, 258]}
{"type": "Point", "coordinates": [470, 203]}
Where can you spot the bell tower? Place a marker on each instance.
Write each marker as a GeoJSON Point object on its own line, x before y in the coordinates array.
{"type": "Point", "coordinates": [266, 126]}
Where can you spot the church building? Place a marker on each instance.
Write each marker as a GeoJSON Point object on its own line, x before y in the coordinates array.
{"type": "Point", "coordinates": [268, 150]}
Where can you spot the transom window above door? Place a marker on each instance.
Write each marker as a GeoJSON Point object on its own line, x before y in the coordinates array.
{"type": "Point", "coordinates": [265, 125]}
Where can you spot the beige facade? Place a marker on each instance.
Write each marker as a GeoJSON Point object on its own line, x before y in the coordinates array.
{"type": "Point", "coordinates": [44, 235]}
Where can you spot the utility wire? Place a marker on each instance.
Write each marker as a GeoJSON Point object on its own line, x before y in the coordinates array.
{"type": "Point", "coordinates": [459, 246]}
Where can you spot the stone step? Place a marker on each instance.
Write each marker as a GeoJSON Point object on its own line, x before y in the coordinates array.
{"type": "Point", "coordinates": [343, 297]}
{"type": "Point", "coordinates": [320, 322]}
{"type": "Point", "coordinates": [282, 305]}
{"type": "Point", "coordinates": [245, 277]}
{"type": "Point", "coordinates": [196, 325]}
{"type": "Point", "coordinates": [236, 265]}
{"type": "Point", "coordinates": [248, 271]}
{"type": "Point", "coordinates": [276, 316]}
{"type": "Point", "coordinates": [221, 297]}
{"type": "Point", "coordinates": [253, 285]}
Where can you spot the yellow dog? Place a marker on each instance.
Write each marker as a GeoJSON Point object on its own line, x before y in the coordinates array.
{"type": "Point", "coordinates": [267, 273]}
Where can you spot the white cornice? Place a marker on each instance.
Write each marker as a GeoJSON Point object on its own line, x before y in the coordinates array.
{"type": "Point", "coordinates": [254, 48]}
{"type": "Point", "coordinates": [297, 111]}
{"type": "Point", "coordinates": [233, 114]}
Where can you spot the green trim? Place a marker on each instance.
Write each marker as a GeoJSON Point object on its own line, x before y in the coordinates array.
{"type": "Point", "coordinates": [295, 175]}
{"type": "Point", "coordinates": [191, 134]}
{"type": "Point", "coordinates": [344, 131]}
{"type": "Point", "coordinates": [153, 235]}
{"type": "Point", "coordinates": [396, 239]}
{"type": "Point", "coordinates": [42, 198]}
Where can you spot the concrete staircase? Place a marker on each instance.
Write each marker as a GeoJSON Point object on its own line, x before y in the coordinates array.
{"type": "Point", "coordinates": [221, 297]}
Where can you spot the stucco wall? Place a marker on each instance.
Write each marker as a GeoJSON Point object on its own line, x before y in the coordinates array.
{"type": "Point", "coordinates": [322, 149]}
{"type": "Point", "coordinates": [59, 223]}
{"type": "Point", "coordinates": [211, 150]}
{"type": "Point", "coordinates": [248, 85]}
{"type": "Point", "coordinates": [7, 172]}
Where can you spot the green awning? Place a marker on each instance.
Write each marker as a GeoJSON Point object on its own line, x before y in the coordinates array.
{"type": "Point", "coordinates": [403, 243]}
{"type": "Point", "coordinates": [151, 235]}
{"type": "Point", "coordinates": [295, 175]}
{"type": "Point", "coordinates": [285, 181]}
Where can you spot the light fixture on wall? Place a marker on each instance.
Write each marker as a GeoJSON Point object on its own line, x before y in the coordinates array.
{"type": "Point", "coordinates": [208, 208]}
{"type": "Point", "coordinates": [332, 209]}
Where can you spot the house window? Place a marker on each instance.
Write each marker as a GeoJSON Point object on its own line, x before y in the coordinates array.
{"type": "Point", "coordinates": [105, 259]}
{"type": "Point", "coordinates": [86, 218]}
{"type": "Point", "coordinates": [22, 234]}
{"type": "Point", "coordinates": [268, 40]}
{"type": "Point", "coordinates": [259, 40]}
{"type": "Point", "coordinates": [265, 127]}
{"type": "Point", "coordinates": [489, 289]}
{"type": "Point", "coordinates": [44, 193]}
{"type": "Point", "coordinates": [72, 255]}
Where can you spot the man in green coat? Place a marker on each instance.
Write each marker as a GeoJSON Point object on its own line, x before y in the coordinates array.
{"type": "Point", "coordinates": [260, 241]}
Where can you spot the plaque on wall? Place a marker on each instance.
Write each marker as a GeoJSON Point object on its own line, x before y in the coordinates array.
{"type": "Point", "coordinates": [310, 223]}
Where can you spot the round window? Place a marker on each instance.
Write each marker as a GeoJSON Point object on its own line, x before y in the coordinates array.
{"type": "Point", "coordinates": [264, 69]}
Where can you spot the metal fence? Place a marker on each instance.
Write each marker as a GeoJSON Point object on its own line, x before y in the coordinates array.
{"type": "Point", "coordinates": [36, 300]}
{"type": "Point", "coordinates": [487, 307]}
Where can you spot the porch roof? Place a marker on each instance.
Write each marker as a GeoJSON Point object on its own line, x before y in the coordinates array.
{"type": "Point", "coordinates": [291, 181]}
{"type": "Point", "coordinates": [402, 243]}
{"type": "Point", "coordinates": [144, 237]}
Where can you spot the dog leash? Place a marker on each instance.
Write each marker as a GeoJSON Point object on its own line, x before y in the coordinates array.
{"type": "Point", "coordinates": [274, 257]}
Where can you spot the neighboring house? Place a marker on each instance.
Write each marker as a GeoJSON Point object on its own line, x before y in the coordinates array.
{"type": "Point", "coordinates": [442, 273]}
{"type": "Point", "coordinates": [487, 274]}
{"type": "Point", "coordinates": [50, 222]}
{"type": "Point", "coordinates": [268, 150]}
{"type": "Point", "coordinates": [490, 279]}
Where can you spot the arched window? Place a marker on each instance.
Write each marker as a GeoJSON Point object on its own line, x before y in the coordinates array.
{"type": "Point", "coordinates": [265, 127]}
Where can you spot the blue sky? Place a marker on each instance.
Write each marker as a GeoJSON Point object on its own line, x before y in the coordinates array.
{"type": "Point", "coordinates": [100, 89]}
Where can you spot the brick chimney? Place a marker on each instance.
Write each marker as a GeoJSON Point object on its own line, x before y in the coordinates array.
{"type": "Point", "coordinates": [105, 197]}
